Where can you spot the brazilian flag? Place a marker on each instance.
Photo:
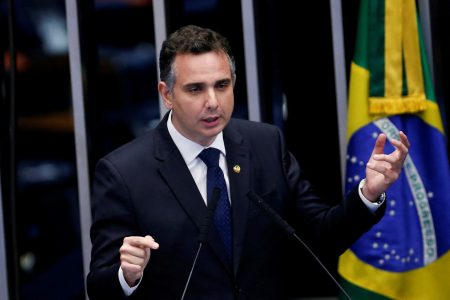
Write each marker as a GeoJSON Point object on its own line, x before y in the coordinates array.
{"type": "Point", "coordinates": [406, 255]}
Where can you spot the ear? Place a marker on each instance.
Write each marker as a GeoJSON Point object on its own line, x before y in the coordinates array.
{"type": "Point", "coordinates": [165, 94]}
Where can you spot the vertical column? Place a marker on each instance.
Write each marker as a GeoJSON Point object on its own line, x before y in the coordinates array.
{"type": "Point", "coordinates": [425, 23]}
{"type": "Point", "coordinates": [159, 19]}
{"type": "Point", "coordinates": [80, 129]}
{"type": "Point", "coordinates": [9, 256]}
{"type": "Point", "coordinates": [340, 80]}
{"type": "Point", "coordinates": [251, 66]}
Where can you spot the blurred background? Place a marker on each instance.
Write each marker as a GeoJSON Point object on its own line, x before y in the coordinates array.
{"type": "Point", "coordinates": [292, 85]}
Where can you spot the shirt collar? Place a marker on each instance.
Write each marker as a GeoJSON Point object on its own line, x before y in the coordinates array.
{"type": "Point", "coordinates": [189, 149]}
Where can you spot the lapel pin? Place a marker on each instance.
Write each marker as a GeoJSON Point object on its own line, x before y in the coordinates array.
{"type": "Point", "coordinates": [237, 169]}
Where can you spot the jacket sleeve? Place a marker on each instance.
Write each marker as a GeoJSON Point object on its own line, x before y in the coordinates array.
{"type": "Point", "coordinates": [330, 227]}
{"type": "Point", "coordinates": [112, 220]}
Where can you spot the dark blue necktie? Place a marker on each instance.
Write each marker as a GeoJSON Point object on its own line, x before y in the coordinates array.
{"type": "Point", "coordinates": [222, 215]}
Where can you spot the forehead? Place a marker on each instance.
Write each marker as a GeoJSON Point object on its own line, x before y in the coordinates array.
{"type": "Point", "coordinates": [209, 66]}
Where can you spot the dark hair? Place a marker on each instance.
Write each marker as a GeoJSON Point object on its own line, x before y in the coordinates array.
{"type": "Point", "coordinates": [194, 40]}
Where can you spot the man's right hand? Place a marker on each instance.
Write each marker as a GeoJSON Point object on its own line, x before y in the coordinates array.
{"type": "Point", "coordinates": [134, 256]}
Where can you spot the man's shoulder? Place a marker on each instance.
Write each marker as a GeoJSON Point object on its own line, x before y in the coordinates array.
{"type": "Point", "coordinates": [255, 134]}
{"type": "Point", "coordinates": [141, 145]}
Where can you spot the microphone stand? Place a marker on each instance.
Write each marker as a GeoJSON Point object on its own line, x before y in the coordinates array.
{"type": "Point", "coordinates": [291, 231]}
{"type": "Point", "coordinates": [203, 233]}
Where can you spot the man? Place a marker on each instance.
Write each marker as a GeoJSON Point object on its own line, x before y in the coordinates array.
{"type": "Point", "coordinates": [151, 196]}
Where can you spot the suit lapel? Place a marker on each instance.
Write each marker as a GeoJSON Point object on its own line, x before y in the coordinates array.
{"type": "Point", "coordinates": [180, 181]}
{"type": "Point", "coordinates": [238, 162]}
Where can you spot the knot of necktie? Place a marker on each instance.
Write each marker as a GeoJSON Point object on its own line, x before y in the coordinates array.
{"type": "Point", "coordinates": [210, 156]}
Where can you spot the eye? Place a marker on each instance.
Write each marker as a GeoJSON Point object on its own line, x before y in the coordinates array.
{"type": "Point", "coordinates": [194, 88]}
{"type": "Point", "coordinates": [222, 85]}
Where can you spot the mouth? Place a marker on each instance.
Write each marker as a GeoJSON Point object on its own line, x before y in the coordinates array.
{"type": "Point", "coordinates": [211, 121]}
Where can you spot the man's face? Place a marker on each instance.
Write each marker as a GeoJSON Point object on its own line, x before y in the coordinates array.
{"type": "Point", "coordinates": [202, 100]}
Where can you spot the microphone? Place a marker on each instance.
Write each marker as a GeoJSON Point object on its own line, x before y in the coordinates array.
{"type": "Point", "coordinates": [204, 230]}
{"type": "Point", "coordinates": [291, 231]}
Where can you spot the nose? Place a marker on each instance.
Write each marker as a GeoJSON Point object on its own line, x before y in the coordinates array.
{"type": "Point", "coordinates": [212, 101]}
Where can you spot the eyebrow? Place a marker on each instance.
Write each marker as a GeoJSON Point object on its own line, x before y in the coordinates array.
{"type": "Point", "coordinates": [226, 80]}
{"type": "Point", "coordinates": [202, 84]}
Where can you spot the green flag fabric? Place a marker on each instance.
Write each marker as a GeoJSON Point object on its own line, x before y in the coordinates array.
{"type": "Point", "coordinates": [406, 255]}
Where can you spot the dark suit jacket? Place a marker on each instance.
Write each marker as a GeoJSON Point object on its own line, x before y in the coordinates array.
{"type": "Point", "coordinates": [145, 188]}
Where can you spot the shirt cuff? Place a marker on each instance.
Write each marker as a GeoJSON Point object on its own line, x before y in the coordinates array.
{"type": "Point", "coordinates": [127, 290]}
{"type": "Point", "coordinates": [372, 206]}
